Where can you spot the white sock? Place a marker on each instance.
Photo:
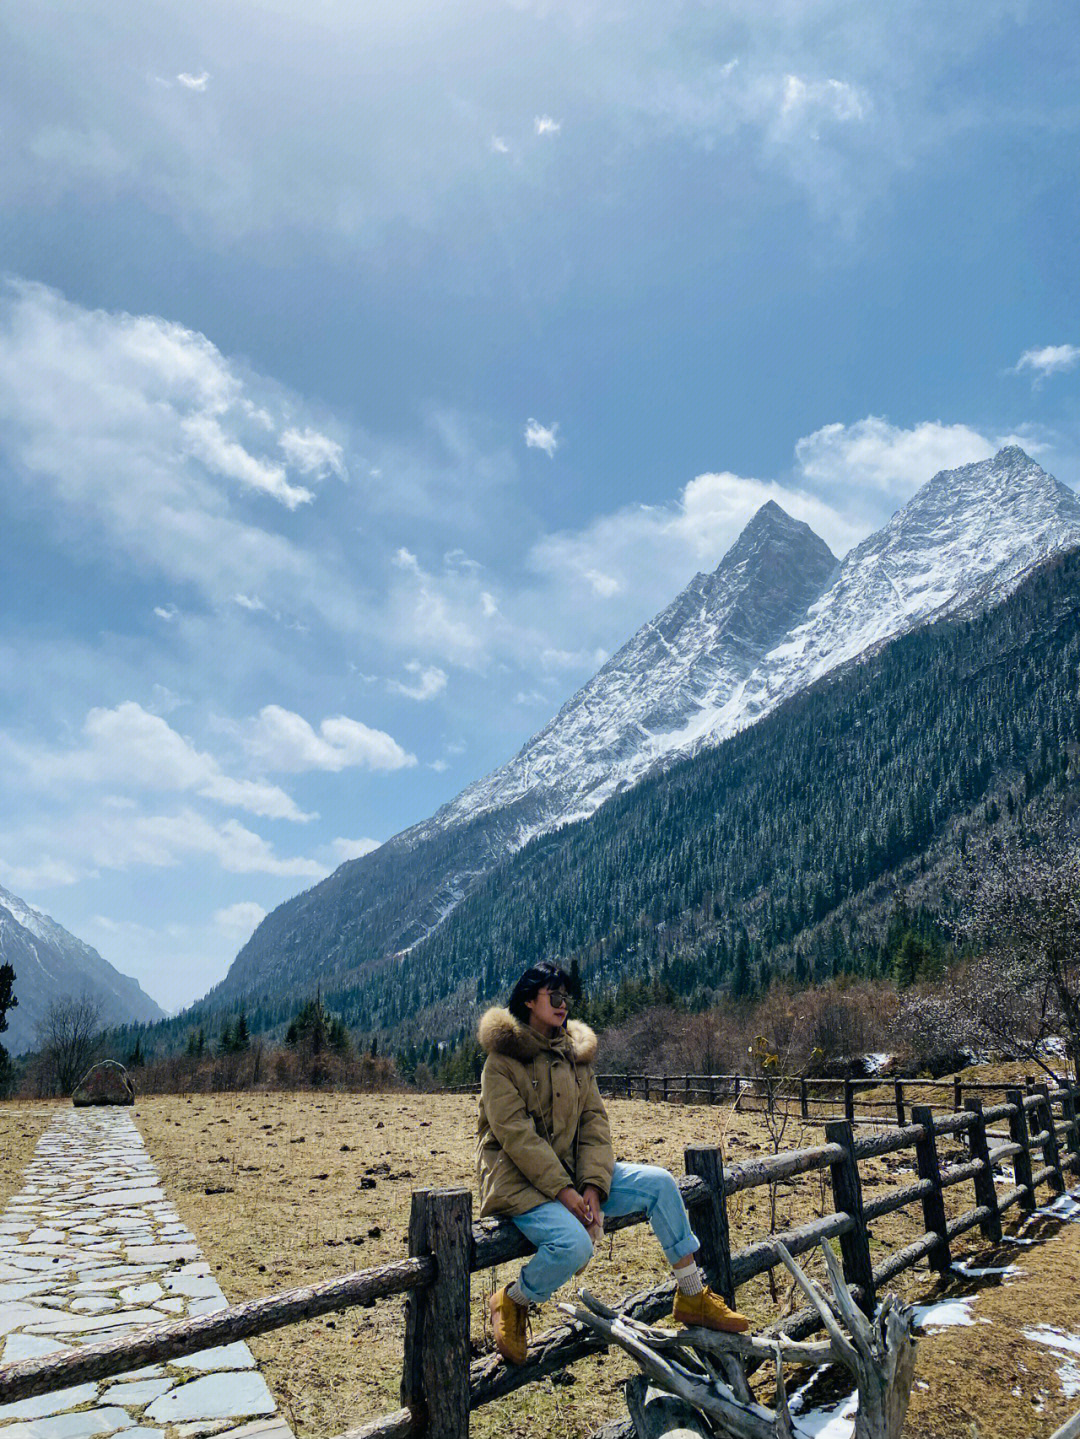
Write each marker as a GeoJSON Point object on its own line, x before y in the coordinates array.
{"type": "Point", "coordinates": [514, 1292]}
{"type": "Point", "coordinates": [689, 1279]}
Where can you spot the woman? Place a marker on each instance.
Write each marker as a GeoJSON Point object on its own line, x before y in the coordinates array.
{"type": "Point", "coordinates": [544, 1159]}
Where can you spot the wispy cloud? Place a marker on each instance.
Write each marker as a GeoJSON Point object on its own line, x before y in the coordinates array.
{"type": "Point", "coordinates": [193, 82]}
{"type": "Point", "coordinates": [542, 437]}
{"type": "Point", "coordinates": [101, 837]}
{"type": "Point", "coordinates": [545, 125]}
{"type": "Point", "coordinates": [353, 848]}
{"type": "Point", "coordinates": [142, 434]}
{"type": "Point", "coordinates": [312, 453]}
{"type": "Point", "coordinates": [430, 681]}
{"type": "Point", "coordinates": [498, 145]}
{"type": "Point", "coordinates": [1049, 360]}
{"type": "Point", "coordinates": [239, 919]}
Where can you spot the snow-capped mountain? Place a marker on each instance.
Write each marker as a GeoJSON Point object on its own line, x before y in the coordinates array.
{"type": "Point", "coordinates": [958, 546]}
{"type": "Point", "coordinates": [679, 670]}
{"type": "Point", "coordinates": [51, 964]}
{"type": "Point", "coordinates": [777, 614]}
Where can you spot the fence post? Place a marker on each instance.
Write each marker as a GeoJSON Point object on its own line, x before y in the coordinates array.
{"type": "Point", "coordinates": [1051, 1154]}
{"type": "Point", "coordinates": [804, 1100]}
{"type": "Point", "coordinates": [665, 1088]}
{"type": "Point", "coordinates": [849, 1101]}
{"type": "Point", "coordinates": [435, 1377]}
{"type": "Point", "coordinates": [1018, 1133]}
{"type": "Point", "coordinates": [711, 1221]}
{"type": "Point", "coordinates": [898, 1095]}
{"type": "Point", "coordinates": [985, 1189]}
{"type": "Point", "coordinates": [926, 1157]}
{"type": "Point", "coordinates": [1068, 1109]}
{"type": "Point", "coordinates": [847, 1199]}
{"type": "Point", "coordinates": [687, 1099]}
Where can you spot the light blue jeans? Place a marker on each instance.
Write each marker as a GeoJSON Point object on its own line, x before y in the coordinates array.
{"type": "Point", "coordinates": [563, 1246]}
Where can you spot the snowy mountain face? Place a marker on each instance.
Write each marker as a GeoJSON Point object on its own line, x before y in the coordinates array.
{"type": "Point", "coordinates": [777, 614]}
{"type": "Point", "coordinates": [677, 671]}
{"type": "Point", "coordinates": [50, 964]}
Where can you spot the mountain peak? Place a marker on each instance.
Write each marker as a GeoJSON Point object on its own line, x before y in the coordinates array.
{"type": "Point", "coordinates": [772, 528]}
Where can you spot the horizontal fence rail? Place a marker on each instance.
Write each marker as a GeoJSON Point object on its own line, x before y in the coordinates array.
{"type": "Point", "coordinates": [440, 1386]}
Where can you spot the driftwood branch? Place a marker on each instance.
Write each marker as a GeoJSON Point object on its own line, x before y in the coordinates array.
{"type": "Point", "coordinates": [704, 1369]}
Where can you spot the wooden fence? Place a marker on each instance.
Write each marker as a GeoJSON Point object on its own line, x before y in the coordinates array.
{"type": "Point", "coordinates": [439, 1385]}
{"type": "Point", "coordinates": [755, 1091]}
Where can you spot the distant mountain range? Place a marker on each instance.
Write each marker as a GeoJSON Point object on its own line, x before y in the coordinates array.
{"type": "Point", "coordinates": [777, 615]}
{"type": "Point", "coordinates": [50, 964]}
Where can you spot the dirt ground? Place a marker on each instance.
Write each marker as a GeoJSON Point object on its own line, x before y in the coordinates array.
{"type": "Point", "coordinates": [21, 1125]}
{"type": "Point", "coordinates": [286, 1189]}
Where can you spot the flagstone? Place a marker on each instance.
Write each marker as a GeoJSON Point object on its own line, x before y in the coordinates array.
{"type": "Point", "coordinates": [53, 1403]}
{"type": "Point", "coordinates": [227, 1395]}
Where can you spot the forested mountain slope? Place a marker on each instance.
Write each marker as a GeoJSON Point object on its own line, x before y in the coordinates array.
{"type": "Point", "coordinates": [725, 861]}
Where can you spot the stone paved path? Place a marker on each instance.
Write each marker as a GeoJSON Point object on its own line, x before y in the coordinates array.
{"type": "Point", "coordinates": [90, 1247]}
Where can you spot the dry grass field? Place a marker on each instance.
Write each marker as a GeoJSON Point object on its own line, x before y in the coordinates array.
{"type": "Point", "coordinates": [22, 1123]}
{"type": "Point", "coordinates": [285, 1189]}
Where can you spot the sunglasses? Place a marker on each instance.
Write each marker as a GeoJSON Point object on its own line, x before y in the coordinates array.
{"type": "Point", "coordinates": [559, 999]}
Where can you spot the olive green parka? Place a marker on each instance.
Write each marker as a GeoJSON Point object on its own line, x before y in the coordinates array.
{"type": "Point", "coordinates": [543, 1125]}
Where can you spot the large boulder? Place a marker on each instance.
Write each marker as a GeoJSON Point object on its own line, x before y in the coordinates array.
{"type": "Point", "coordinates": [105, 1083]}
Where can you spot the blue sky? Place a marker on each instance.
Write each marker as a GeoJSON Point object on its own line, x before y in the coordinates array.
{"type": "Point", "coordinates": [369, 373]}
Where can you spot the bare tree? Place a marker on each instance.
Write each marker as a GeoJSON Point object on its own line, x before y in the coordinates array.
{"type": "Point", "coordinates": [1022, 916]}
{"type": "Point", "coordinates": [69, 1038]}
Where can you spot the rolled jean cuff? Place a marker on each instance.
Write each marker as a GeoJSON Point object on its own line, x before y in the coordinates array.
{"type": "Point", "coordinates": [529, 1294]}
{"type": "Point", "coordinates": [690, 1245]}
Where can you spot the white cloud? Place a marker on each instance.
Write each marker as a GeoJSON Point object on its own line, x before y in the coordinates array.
{"type": "Point", "coordinates": [542, 437]}
{"type": "Point", "coordinates": [440, 766]}
{"type": "Point", "coordinates": [835, 98]}
{"type": "Point", "coordinates": [1050, 360]}
{"type": "Point", "coordinates": [488, 605]}
{"type": "Point", "coordinates": [430, 681]}
{"type": "Point", "coordinates": [45, 873]}
{"type": "Point", "coordinates": [252, 603]}
{"type": "Point", "coordinates": [193, 82]}
{"type": "Point", "coordinates": [166, 612]}
{"type": "Point", "coordinates": [283, 741]}
{"type": "Point", "coordinates": [141, 434]}
{"type": "Point", "coordinates": [345, 849]}
{"type": "Point", "coordinates": [240, 919]}
{"type": "Point", "coordinates": [110, 838]}
{"type": "Point", "coordinates": [886, 457]}
{"type": "Point", "coordinates": [498, 145]}
{"type": "Point", "coordinates": [545, 125]}
{"type": "Point", "coordinates": [603, 585]}
{"type": "Point", "coordinates": [312, 453]}
{"type": "Point", "coordinates": [208, 442]}
{"type": "Point", "coordinates": [437, 613]}
{"type": "Point", "coordinates": [130, 748]}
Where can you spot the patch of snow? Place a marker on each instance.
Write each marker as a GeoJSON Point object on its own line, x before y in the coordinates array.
{"type": "Point", "coordinates": [875, 1063]}
{"type": "Point", "coordinates": [835, 1423]}
{"type": "Point", "coordinates": [945, 1313]}
{"type": "Point", "coordinates": [962, 1266]}
{"type": "Point", "coordinates": [1054, 1338]}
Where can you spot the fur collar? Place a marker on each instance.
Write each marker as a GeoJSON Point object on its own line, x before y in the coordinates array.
{"type": "Point", "coordinates": [500, 1033]}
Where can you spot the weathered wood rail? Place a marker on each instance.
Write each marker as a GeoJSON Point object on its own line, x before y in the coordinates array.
{"type": "Point", "coordinates": [815, 1094]}
{"type": "Point", "coordinates": [440, 1387]}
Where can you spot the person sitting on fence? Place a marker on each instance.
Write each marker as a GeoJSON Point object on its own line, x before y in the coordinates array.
{"type": "Point", "coordinates": [544, 1159]}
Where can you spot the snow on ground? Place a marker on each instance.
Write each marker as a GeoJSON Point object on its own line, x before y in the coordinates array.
{"type": "Point", "coordinates": [1066, 1343]}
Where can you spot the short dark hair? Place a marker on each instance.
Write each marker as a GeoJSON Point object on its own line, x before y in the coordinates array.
{"type": "Point", "coordinates": [545, 975]}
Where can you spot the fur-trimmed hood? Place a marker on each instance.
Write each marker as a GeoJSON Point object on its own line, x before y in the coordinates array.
{"type": "Point", "coordinates": [500, 1033]}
